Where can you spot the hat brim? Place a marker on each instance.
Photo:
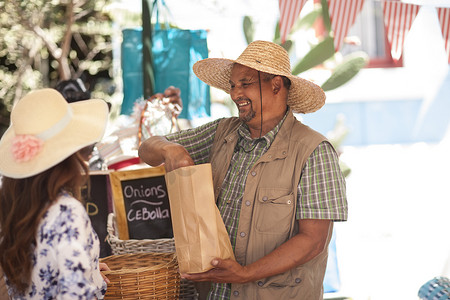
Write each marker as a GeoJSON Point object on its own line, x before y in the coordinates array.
{"type": "Point", "coordinates": [87, 126]}
{"type": "Point", "coordinates": [304, 96]}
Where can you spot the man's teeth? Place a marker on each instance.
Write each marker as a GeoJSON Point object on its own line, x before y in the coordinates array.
{"type": "Point", "coordinates": [243, 103]}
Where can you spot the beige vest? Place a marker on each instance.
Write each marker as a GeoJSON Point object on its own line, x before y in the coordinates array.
{"type": "Point", "coordinates": [267, 217]}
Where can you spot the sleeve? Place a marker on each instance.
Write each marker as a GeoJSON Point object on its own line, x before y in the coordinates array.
{"type": "Point", "coordinates": [76, 257]}
{"type": "Point", "coordinates": [197, 141]}
{"type": "Point", "coordinates": [322, 190]}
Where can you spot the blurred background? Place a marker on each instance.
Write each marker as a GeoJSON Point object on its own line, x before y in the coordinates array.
{"type": "Point", "coordinates": [383, 64]}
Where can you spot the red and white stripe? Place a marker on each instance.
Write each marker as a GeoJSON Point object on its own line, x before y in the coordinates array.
{"type": "Point", "coordinates": [444, 20]}
{"type": "Point", "coordinates": [289, 12]}
{"type": "Point", "coordinates": [343, 15]}
{"type": "Point", "coordinates": [398, 18]}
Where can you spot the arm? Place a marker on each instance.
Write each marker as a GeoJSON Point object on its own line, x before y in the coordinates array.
{"type": "Point", "coordinates": [73, 239]}
{"type": "Point", "coordinates": [307, 244]}
{"type": "Point", "coordinates": [157, 150]}
{"type": "Point", "coordinates": [313, 233]}
{"type": "Point", "coordinates": [180, 149]}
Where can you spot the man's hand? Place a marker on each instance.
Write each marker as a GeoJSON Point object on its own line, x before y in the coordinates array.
{"type": "Point", "coordinates": [301, 248]}
{"type": "Point", "coordinates": [225, 271]}
{"type": "Point", "coordinates": [172, 93]}
{"type": "Point", "coordinates": [157, 150]}
{"type": "Point", "coordinates": [176, 156]}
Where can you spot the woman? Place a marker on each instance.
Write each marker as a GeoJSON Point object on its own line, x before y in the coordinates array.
{"type": "Point", "coordinates": [48, 249]}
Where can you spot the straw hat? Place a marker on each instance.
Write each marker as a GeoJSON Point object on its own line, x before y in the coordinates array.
{"type": "Point", "coordinates": [45, 130]}
{"type": "Point", "coordinates": [304, 96]}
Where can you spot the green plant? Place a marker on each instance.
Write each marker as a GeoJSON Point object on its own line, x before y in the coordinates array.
{"type": "Point", "coordinates": [43, 42]}
{"type": "Point", "coordinates": [322, 51]}
{"type": "Point", "coordinates": [336, 137]}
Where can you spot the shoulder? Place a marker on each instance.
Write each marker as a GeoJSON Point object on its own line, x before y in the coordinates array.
{"type": "Point", "coordinates": [293, 129]}
{"type": "Point", "coordinates": [64, 222]}
{"type": "Point", "coordinates": [325, 148]}
{"type": "Point", "coordinates": [301, 135]}
{"type": "Point", "coordinates": [230, 120]}
{"type": "Point", "coordinates": [229, 123]}
{"type": "Point", "coordinates": [325, 156]}
{"type": "Point", "coordinates": [66, 210]}
{"type": "Point", "coordinates": [67, 202]}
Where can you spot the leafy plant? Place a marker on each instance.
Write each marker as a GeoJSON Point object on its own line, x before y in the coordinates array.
{"type": "Point", "coordinates": [346, 70]}
{"type": "Point", "coordinates": [320, 52]}
{"type": "Point", "coordinates": [43, 42]}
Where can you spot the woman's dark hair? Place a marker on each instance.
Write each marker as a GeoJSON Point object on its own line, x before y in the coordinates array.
{"type": "Point", "coordinates": [23, 203]}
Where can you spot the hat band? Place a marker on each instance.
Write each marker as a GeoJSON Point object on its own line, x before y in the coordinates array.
{"type": "Point", "coordinates": [57, 127]}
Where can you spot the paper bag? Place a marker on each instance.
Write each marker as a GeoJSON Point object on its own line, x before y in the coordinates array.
{"type": "Point", "coordinates": [198, 229]}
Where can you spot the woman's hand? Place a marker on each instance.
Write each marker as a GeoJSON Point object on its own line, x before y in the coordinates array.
{"type": "Point", "coordinates": [104, 267]}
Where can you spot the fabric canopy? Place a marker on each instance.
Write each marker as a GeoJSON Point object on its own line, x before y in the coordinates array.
{"type": "Point", "coordinates": [398, 17]}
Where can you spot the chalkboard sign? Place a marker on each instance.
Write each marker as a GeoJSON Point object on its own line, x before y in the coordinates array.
{"type": "Point", "coordinates": [141, 204]}
{"type": "Point", "coordinates": [98, 205]}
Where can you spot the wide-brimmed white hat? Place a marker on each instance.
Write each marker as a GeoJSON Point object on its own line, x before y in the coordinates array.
{"type": "Point", "coordinates": [304, 96]}
{"type": "Point", "coordinates": [45, 129]}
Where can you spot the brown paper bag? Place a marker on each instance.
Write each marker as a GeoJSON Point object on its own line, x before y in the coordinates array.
{"type": "Point", "coordinates": [198, 228]}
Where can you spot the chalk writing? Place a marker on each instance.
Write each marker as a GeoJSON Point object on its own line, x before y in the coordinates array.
{"type": "Point", "coordinates": [144, 214]}
{"type": "Point", "coordinates": [129, 191]}
{"type": "Point", "coordinates": [91, 208]}
{"type": "Point", "coordinates": [147, 210]}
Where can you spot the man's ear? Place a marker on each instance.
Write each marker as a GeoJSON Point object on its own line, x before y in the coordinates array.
{"type": "Point", "coordinates": [277, 84]}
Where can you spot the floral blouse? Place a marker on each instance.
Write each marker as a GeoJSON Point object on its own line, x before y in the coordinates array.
{"type": "Point", "coordinates": [66, 255]}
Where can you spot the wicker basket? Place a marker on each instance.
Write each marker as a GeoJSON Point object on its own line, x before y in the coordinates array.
{"type": "Point", "coordinates": [118, 246]}
{"type": "Point", "coordinates": [142, 276]}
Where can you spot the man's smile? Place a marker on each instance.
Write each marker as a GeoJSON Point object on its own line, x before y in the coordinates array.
{"type": "Point", "coordinates": [243, 103]}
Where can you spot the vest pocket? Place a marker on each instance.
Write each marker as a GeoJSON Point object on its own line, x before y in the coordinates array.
{"type": "Point", "coordinates": [291, 278]}
{"type": "Point", "coordinates": [274, 210]}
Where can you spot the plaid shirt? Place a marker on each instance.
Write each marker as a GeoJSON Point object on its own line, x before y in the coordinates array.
{"type": "Point", "coordinates": [321, 190]}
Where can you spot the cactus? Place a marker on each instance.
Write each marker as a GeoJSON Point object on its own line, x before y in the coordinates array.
{"type": "Point", "coordinates": [317, 55]}
{"type": "Point", "coordinates": [308, 20]}
{"type": "Point", "coordinates": [249, 30]}
{"type": "Point", "coordinates": [287, 45]}
{"type": "Point", "coordinates": [346, 70]}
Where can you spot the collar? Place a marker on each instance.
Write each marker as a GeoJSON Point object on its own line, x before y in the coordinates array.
{"type": "Point", "coordinates": [245, 137]}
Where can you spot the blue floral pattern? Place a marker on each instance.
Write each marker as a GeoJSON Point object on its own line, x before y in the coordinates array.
{"type": "Point", "coordinates": [66, 255]}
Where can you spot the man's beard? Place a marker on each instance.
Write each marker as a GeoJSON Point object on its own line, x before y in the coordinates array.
{"type": "Point", "coordinates": [249, 115]}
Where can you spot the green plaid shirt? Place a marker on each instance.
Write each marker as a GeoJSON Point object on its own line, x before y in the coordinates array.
{"type": "Point", "coordinates": [321, 190]}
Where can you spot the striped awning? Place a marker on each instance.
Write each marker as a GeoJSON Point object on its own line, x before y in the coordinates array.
{"type": "Point", "coordinates": [444, 20]}
{"type": "Point", "coordinates": [289, 12]}
{"type": "Point", "coordinates": [398, 18]}
{"type": "Point", "coordinates": [343, 15]}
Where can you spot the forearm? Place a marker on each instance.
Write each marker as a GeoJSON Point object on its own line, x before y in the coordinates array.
{"type": "Point", "coordinates": [297, 251]}
{"type": "Point", "coordinates": [157, 150]}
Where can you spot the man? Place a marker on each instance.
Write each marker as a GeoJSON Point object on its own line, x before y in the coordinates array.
{"type": "Point", "coordinates": [277, 182]}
